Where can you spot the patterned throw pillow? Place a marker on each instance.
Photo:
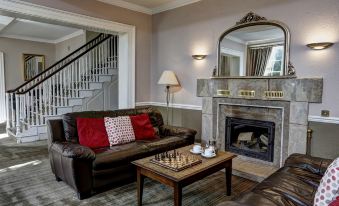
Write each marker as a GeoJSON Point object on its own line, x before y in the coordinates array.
{"type": "Point", "coordinates": [328, 189]}
{"type": "Point", "coordinates": [119, 130]}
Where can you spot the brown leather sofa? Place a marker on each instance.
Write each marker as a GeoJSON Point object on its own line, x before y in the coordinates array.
{"type": "Point", "coordinates": [295, 184]}
{"type": "Point", "coordinates": [88, 171]}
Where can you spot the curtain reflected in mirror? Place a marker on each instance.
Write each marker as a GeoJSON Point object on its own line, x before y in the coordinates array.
{"type": "Point", "coordinates": [33, 65]}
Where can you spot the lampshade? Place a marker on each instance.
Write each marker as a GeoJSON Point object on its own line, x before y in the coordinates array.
{"type": "Point", "coordinates": [168, 78]}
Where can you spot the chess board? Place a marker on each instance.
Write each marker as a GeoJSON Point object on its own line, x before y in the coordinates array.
{"type": "Point", "coordinates": [176, 161]}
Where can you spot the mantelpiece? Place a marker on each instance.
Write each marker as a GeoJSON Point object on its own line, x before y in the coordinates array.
{"type": "Point", "coordinates": [293, 89]}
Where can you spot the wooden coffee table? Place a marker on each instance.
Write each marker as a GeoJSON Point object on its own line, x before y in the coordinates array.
{"type": "Point", "coordinates": [178, 180]}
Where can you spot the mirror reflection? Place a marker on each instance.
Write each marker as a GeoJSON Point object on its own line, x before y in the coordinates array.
{"type": "Point", "coordinates": [257, 50]}
{"type": "Point", "coordinates": [33, 65]}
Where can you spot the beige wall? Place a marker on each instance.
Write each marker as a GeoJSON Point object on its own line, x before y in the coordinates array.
{"type": "Point", "coordinates": [325, 140]}
{"type": "Point", "coordinates": [64, 48]}
{"type": "Point", "coordinates": [143, 23]}
{"type": "Point", "coordinates": [14, 49]}
{"type": "Point", "coordinates": [195, 28]}
{"type": "Point", "coordinates": [91, 35]}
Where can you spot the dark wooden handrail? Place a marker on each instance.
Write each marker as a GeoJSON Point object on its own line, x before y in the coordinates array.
{"type": "Point", "coordinates": [52, 66]}
{"type": "Point", "coordinates": [68, 63]}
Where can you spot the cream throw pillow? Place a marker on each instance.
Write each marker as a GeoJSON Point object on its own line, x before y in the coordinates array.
{"type": "Point", "coordinates": [328, 189]}
{"type": "Point", "coordinates": [119, 130]}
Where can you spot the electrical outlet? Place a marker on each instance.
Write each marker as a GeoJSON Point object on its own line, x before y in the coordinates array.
{"type": "Point", "coordinates": [325, 113]}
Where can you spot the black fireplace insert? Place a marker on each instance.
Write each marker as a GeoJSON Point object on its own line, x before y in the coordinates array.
{"type": "Point", "coordinates": [252, 138]}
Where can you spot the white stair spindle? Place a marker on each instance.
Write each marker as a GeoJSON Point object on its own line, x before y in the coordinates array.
{"type": "Point", "coordinates": [50, 96]}
{"type": "Point", "coordinates": [36, 104]}
{"type": "Point", "coordinates": [40, 112]}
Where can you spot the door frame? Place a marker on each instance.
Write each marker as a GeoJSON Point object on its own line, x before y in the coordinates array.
{"type": "Point", "coordinates": [3, 88]}
{"type": "Point", "coordinates": [126, 34]}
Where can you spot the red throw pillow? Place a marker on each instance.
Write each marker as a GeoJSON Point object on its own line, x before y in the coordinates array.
{"type": "Point", "coordinates": [92, 132]}
{"type": "Point", "coordinates": [143, 128]}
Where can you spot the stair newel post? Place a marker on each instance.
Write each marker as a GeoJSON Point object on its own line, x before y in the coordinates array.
{"type": "Point", "coordinates": [8, 109]}
{"type": "Point", "coordinates": [17, 113]}
{"type": "Point", "coordinates": [12, 96]}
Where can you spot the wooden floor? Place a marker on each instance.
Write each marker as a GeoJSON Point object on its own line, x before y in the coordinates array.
{"type": "Point", "coordinates": [26, 179]}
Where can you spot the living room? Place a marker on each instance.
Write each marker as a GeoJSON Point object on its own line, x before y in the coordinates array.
{"type": "Point", "coordinates": [272, 125]}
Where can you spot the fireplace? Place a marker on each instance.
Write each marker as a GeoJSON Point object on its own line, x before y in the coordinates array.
{"type": "Point", "coordinates": [252, 138]}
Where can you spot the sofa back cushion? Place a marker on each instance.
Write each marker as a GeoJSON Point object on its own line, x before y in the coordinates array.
{"type": "Point", "coordinates": [143, 128]}
{"type": "Point", "coordinates": [70, 123]}
{"type": "Point", "coordinates": [92, 132]}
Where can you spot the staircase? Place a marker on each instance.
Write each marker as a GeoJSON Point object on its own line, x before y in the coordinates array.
{"type": "Point", "coordinates": [62, 88]}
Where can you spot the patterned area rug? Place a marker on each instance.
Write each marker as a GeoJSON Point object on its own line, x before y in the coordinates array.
{"type": "Point", "coordinates": [26, 179]}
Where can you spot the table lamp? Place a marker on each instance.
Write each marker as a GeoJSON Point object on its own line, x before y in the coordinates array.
{"type": "Point", "coordinates": [169, 79]}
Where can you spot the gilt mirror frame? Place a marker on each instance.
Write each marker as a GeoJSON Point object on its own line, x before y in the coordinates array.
{"type": "Point", "coordinates": [25, 72]}
{"type": "Point", "coordinates": [252, 19]}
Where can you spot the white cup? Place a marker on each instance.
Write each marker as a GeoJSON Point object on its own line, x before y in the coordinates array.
{"type": "Point", "coordinates": [209, 152]}
{"type": "Point", "coordinates": [196, 148]}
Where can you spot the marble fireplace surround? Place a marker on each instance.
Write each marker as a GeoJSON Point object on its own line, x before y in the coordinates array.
{"type": "Point", "coordinates": [289, 112]}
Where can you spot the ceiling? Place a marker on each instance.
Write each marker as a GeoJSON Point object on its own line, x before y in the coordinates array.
{"type": "Point", "coordinates": [258, 33]}
{"type": "Point", "coordinates": [35, 31]}
{"type": "Point", "coordinates": [150, 3]}
{"type": "Point", "coordinates": [149, 6]}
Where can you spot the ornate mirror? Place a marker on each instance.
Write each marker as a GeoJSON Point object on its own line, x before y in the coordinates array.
{"type": "Point", "coordinates": [254, 47]}
{"type": "Point", "coordinates": [33, 65]}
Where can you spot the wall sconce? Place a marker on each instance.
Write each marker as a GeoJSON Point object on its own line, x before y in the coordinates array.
{"type": "Point", "coordinates": [320, 45]}
{"type": "Point", "coordinates": [199, 56]}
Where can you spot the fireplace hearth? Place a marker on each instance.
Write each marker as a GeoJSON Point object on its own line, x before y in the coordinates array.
{"type": "Point", "coordinates": [252, 138]}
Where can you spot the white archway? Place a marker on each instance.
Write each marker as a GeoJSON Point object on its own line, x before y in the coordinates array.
{"type": "Point", "coordinates": [3, 115]}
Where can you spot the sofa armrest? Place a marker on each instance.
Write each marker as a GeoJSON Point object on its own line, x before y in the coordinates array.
{"type": "Point", "coordinates": [71, 150]}
{"type": "Point", "coordinates": [167, 130]}
{"type": "Point", "coordinates": [315, 165]}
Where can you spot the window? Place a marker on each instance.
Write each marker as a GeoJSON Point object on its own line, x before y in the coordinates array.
{"type": "Point", "coordinates": [275, 63]}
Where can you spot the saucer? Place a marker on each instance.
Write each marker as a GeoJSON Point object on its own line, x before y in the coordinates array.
{"type": "Point", "coordinates": [191, 150]}
{"type": "Point", "coordinates": [202, 154]}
